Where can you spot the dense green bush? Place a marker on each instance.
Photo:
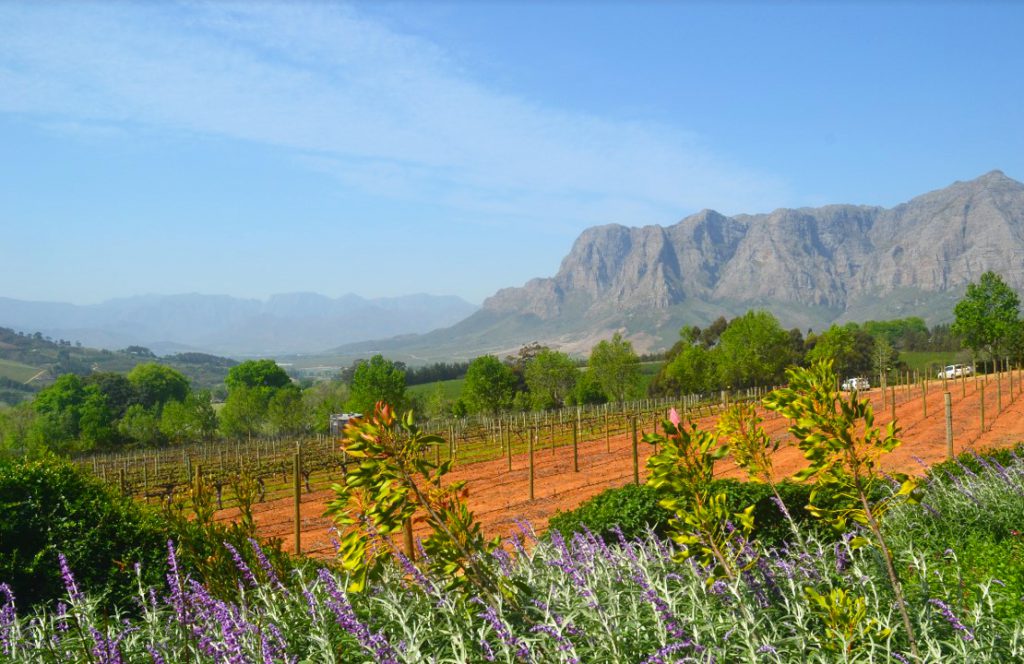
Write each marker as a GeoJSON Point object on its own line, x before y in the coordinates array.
{"type": "Point", "coordinates": [975, 461]}
{"type": "Point", "coordinates": [634, 509]}
{"type": "Point", "coordinates": [49, 507]}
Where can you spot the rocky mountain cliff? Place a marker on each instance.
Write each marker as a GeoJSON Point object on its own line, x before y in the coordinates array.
{"type": "Point", "coordinates": [809, 266]}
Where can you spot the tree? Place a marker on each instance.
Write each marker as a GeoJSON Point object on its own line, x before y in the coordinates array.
{"type": "Point", "coordinates": [753, 350]}
{"type": "Point", "coordinates": [287, 412]}
{"type": "Point", "coordinates": [691, 371]}
{"type": "Point", "coordinates": [244, 412]}
{"type": "Point", "coordinates": [156, 384]}
{"type": "Point", "coordinates": [118, 390]}
{"type": "Point", "coordinates": [490, 385]}
{"type": "Point", "coordinates": [616, 367]}
{"type": "Point", "coordinates": [378, 379]}
{"type": "Point", "coordinates": [987, 318]}
{"type": "Point", "coordinates": [551, 377]}
{"type": "Point", "coordinates": [849, 350]}
{"type": "Point", "coordinates": [588, 390]}
{"type": "Point", "coordinates": [257, 373]}
{"type": "Point", "coordinates": [190, 420]}
{"type": "Point", "coordinates": [323, 399]}
{"type": "Point", "coordinates": [141, 425]}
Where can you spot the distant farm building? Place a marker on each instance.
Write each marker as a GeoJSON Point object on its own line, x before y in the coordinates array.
{"type": "Point", "coordinates": [340, 420]}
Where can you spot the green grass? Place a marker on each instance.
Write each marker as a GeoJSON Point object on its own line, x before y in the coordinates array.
{"type": "Point", "coordinates": [931, 361]}
{"type": "Point", "coordinates": [17, 371]}
{"type": "Point", "coordinates": [451, 389]}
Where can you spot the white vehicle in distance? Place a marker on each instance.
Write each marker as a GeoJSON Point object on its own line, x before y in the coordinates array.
{"type": "Point", "coordinates": [956, 371]}
{"type": "Point", "coordinates": [855, 384]}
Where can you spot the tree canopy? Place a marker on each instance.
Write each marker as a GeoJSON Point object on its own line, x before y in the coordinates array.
{"type": "Point", "coordinates": [987, 318]}
{"type": "Point", "coordinates": [551, 377]}
{"type": "Point", "coordinates": [490, 385]}
{"type": "Point", "coordinates": [616, 367]}
{"type": "Point", "coordinates": [257, 373]}
{"type": "Point", "coordinates": [378, 379]}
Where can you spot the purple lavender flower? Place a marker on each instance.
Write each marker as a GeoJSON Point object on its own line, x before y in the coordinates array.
{"type": "Point", "coordinates": [663, 655]}
{"type": "Point", "coordinates": [491, 617]}
{"type": "Point", "coordinates": [69, 579]}
{"type": "Point", "coordinates": [261, 558]}
{"type": "Point", "coordinates": [965, 633]}
{"type": "Point", "coordinates": [7, 618]}
{"type": "Point", "coordinates": [345, 615]}
{"type": "Point", "coordinates": [247, 574]}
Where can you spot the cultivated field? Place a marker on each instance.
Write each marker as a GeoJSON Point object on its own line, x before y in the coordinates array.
{"type": "Point", "coordinates": [500, 497]}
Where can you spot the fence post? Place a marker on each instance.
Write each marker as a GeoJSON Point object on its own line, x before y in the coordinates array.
{"type": "Point", "coordinates": [575, 448]}
{"type": "Point", "coordinates": [607, 433]}
{"type": "Point", "coordinates": [999, 390]}
{"type": "Point", "coordinates": [949, 425]}
{"type": "Point", "coordinates": [981, 391]}
{"type": "Point", "coordinates": [892, 402]}
{"type": "Point", "coordinates": [297, 487]}
{"type": "Point", "coordinates": [636, 459]}
{"type": "Point", "coordinates": [532, 432]}
{"type": "Point", "coordinates": [924, 399]}
{"type": "Point", "coordinates": [508, 446]}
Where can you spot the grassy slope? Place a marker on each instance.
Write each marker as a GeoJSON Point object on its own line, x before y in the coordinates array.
{"type": "Point", "coordinates": [17, 371]}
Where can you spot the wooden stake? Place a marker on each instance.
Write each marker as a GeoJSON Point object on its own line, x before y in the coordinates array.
{"type": "Point", "coordinates": [636, 457]}
{"type": "Point", "coordinates": [981, 390]}
{"type": "Point", "coordinates": [575, 448]}
{"type": "Point", "coordinates": [532, 434]}
{"type": "Point", "coordinates": [297, 488]}
{"type": "Point", "coordinates": [949, 425]}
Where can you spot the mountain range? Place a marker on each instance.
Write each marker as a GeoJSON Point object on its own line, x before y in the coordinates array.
{"type": "Point", "coordinates": [809, 266]}
{"type": "Point", "coordinates": [283, 324]}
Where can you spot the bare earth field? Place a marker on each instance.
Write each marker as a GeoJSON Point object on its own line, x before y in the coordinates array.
{"type": "Point", "coordinates": [499, 497]}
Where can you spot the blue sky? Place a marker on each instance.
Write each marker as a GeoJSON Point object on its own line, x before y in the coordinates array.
{"type": "Point", "coordinates": [458, 148]}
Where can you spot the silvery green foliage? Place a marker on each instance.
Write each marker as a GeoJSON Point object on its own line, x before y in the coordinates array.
{"type": "Point", "coordinates": [575, 600]}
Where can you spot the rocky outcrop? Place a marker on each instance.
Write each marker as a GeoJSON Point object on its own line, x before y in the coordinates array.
{"type": "Point", "coordinates": [813, 258]}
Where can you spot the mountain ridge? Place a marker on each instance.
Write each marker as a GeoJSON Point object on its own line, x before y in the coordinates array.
{"type": "Point", "coordinates": [283, 323]}
{"type": "Point", "coordinates": [810, 266]}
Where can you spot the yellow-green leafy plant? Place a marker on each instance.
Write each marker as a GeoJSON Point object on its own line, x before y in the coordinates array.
{"type": "Point", "coordinates": [393, 481]}
{"type": "Point", "coordinates": [838, 436]}
{"type": "Point", "coordinates": [752, 448]}
{"type": "Point", "coordinates": [681, 472]}
{"type": "Point", "coordinates": [844, 617]}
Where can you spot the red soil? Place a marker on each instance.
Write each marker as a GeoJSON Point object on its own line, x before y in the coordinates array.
{"type": "Point", "coordinates": [499, 497]}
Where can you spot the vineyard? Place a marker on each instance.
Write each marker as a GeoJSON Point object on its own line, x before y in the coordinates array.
{"type": "Point", "coordinates": [529, 465]}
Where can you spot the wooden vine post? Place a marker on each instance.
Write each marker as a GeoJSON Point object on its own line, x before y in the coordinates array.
{"type": "Point", "coordinates": [575, 447]}
{"type": "Point", "coordinates": [532, 433]}
{"type": "Point", "coordinates": [297, 488]}
{"type": "Point", "coordinates": [999, 391]}
{"type": "Point", "coordinates": [636, 457]}
{"type": "Point", "coordinates": [981, 390]}
{"type": "Point", "coordinates": [892, 402]}
{"type": "Point", "coordinates": [949, 425]}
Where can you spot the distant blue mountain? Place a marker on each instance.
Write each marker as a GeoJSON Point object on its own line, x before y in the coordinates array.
{"type": "Point", "coordinates": [285, 323]}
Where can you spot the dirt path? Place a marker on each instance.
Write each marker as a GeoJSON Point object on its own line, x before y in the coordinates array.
{"type": "Point", "coordinates": [499, 497]}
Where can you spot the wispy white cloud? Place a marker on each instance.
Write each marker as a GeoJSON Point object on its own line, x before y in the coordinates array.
{"type": "Point", "coordinates": [389, 114]}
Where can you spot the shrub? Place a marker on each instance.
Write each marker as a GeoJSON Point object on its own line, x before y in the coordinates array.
{"type": "Point", "coordinates": [49, 507]}
{"type": "Point", "coordinates": [634, 509]}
